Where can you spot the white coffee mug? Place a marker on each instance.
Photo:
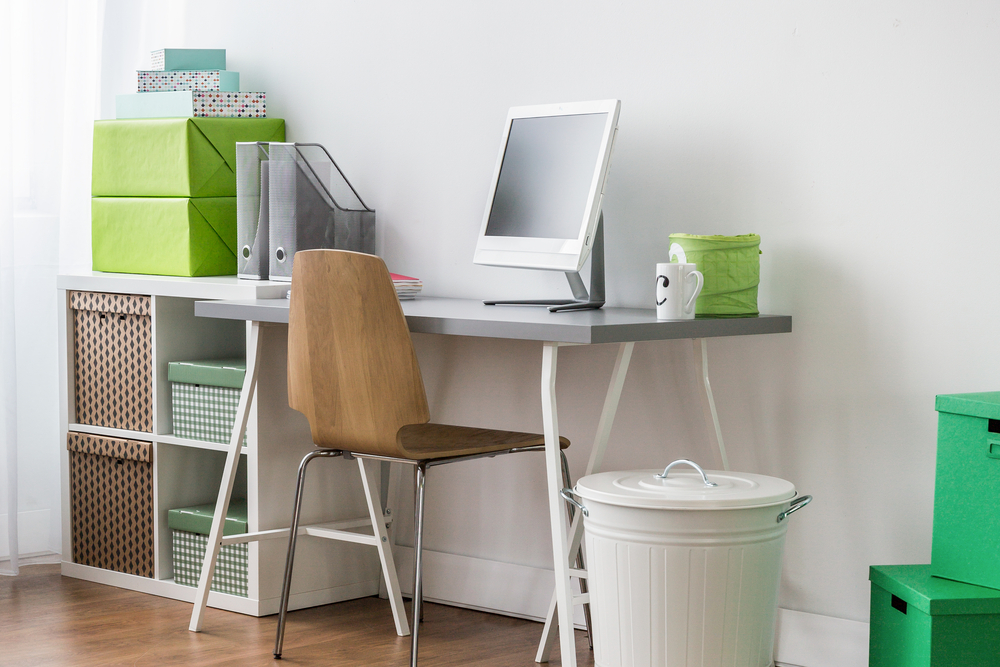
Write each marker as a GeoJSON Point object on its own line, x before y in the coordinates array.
{"type": "Point", "coordinates": [674, 298]}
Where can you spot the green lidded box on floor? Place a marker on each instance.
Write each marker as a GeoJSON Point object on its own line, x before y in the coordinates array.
{"type": "Point", "coordinates": [204, 398]}
{"type": "Point", "coordinates": [918, 620]}
{"type": "Point", "coordinates": [189, 527]}
{"type": "Point", "coordinates": [966, 543]}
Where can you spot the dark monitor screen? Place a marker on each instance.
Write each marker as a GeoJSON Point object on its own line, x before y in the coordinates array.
{"type": "Point", "coordinates": [548, 168]}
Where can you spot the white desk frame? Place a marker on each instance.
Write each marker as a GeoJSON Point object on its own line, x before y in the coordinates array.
{"type": "Point", "coordinates": [554, 330]}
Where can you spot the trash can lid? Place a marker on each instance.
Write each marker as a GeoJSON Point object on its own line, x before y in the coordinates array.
{"type": "Point", "coordinates": [682, 489]}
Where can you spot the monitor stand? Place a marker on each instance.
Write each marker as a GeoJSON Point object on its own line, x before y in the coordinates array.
{"type": "Point", "coordinates": [582, 300]}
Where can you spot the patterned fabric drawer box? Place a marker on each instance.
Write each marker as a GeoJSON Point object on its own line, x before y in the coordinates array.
{"type": "Point", "coordinates": [190, 527]}
{"type": "Point", "coordinates": [113, 360]}
{"type": "Point", "coordinates": [204, 398]}
{"type": "Point", "coordinates": [111, 503]}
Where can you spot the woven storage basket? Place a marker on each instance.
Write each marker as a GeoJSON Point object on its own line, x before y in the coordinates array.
{"type": "Point", "coordinates": [111, 503]}
{"type": "Point", "coordinates": [113, 360]}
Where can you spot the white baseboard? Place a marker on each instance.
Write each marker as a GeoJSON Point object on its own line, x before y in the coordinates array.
{"type": "Point", "coordinates": [802, 640]}
{"type": "Point", "coordinates": [33, 533]}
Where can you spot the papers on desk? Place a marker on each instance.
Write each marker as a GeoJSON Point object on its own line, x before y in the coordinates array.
{"type": "Point", "coordinates": [406, 287]}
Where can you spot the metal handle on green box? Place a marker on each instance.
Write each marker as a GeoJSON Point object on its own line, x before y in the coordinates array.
{"type": "Point", "coordinates": [797, 504]}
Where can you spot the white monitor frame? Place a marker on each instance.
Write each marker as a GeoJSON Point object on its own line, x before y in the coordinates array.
{"type": "Point", "coordinates": [549, 253]}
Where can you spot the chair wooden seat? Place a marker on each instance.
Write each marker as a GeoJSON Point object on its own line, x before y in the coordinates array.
{"type": "Point", "coordinates": [424, 442]}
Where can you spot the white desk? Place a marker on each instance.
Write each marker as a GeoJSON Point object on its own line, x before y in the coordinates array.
{"type": "Point", "coordinates": [466, 317]}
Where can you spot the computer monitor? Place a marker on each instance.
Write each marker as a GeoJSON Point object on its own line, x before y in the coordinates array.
{"type": "Point", "coordinates": [544, 205]}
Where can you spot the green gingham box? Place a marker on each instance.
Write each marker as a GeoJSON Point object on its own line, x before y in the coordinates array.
{"type": "Point", "coordinates": [204, 397]}
{"type": "Point", "coordinates": [190, 527]}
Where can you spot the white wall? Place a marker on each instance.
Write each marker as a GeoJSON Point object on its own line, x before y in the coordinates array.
{"type": "Point", "coordinates": [859, 139]}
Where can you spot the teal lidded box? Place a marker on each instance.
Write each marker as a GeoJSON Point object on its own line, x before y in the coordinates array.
{"type": "Point", "coordinates": [190, 527]}
{"type": "Point", "coordinates": [918, 620]}
{"type": "Point", "coordinates": [966, 543]}
{"type": "Point", "coordinates": [204, 397]}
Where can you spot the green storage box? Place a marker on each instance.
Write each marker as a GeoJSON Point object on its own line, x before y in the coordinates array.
{"type": "Point", "coordinates": [966, 543]}
{"type": "Point", "coordinates": [731, 266]}
{"type": "Point", "coordinates": [173, 157]}
{"type": "Point", "coordinates": [190, 527]}
{"type": "Point", "coordinates": [204, 398]}
{"type": "Point", "coordinates": [164, 235]}
{"type": "Point", "coordinates": [918, 620]}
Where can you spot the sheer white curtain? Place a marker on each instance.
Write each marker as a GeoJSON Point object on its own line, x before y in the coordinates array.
{"type": "Point", "coordinates": [50, 55]}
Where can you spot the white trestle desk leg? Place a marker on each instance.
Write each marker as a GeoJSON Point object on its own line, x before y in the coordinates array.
{"type": "Point", "coordinates": [557, 513]}
{"type": "Point", "coordinates": [228, 477]}
{"type": "Point", "coordinates": [596, 459]}
{"type": "Point", "coordinates": [383, 545]}
{"type": "Point", "coordinates": [701, 349]}
{"type": "Point", "coordinates": [391, 510]}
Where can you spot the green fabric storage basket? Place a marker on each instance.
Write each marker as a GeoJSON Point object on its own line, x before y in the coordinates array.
{"type": "Point", "coordinates": [731, 266]}
{"type": "Point", "coordinates": [918, 620]}
{"type": "Point", "coordinates": [189, 528]}
{"type": "Point", "coordinates": [204, 397]}
{"type": "Point", "coordinates": [966, 542]}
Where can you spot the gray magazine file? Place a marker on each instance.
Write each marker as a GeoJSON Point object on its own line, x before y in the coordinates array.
{"type": "Point", "coordinates": [312, 205]}
{"type": "Point", "coordinates": [251, 210]}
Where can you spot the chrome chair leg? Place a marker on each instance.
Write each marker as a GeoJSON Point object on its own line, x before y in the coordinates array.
{"type": "Point", "coordinates": [418, 579]}
{"type": "Point", "coordinates": [568, 484]}
{"type": "Point", "coordinates": [293, 536]}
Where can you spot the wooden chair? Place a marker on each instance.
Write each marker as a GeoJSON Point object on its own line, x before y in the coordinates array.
{"type": "Point", "coordinates": [353, 372]}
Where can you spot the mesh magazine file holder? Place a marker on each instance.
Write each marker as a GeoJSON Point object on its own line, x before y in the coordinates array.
{"type": "Point", "coordinates": [312, 205]}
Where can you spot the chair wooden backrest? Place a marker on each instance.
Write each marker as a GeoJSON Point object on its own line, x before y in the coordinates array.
{"type": "Point", "coordinates": [352, 369]}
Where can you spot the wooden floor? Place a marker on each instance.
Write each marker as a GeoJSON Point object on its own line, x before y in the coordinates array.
{"type": "Point", "coordinates": [48, 619]}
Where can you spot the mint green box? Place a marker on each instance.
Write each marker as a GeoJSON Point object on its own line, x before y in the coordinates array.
{"type": "Point", "coordinates": [190, 527]}
{"type": "Point", "coordinates": [918, 620]}
{"type": "Point", "coordinates": [191, 104]}
{"type": "Point", "coordinates": [174, 59]}
{"type": "Point", "coordinates": [966, 541]}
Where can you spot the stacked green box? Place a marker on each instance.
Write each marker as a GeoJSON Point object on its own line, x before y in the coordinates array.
{"type": "Point", "coordinates": [918, 620]}
{"type": "Point", "coordinates": [190, 527]}
{"type": "Point", "coordinates": [165, 193]}
{"type": "Point", "coordinates": [966, 544]}
{"type": "Point", "coordinates": [204, 398]}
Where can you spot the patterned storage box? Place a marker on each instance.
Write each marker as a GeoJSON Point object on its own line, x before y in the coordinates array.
{"type": "Point", "coordinates": [113, 361]}
{"type": "Point", "coordinates": [204, 397]}
{"type": "Point", "coordinates": [190, 527]}
{"type": "Point", "coordinates": [158, 81]}
{"type": "Point", "coordinates": [111, 503]}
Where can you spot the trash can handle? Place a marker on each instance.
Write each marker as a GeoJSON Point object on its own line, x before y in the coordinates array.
{"type": "Point", "coordinates": [694, 465]}
{"type": "Point", "coordinates": [796, 505]}
{"type": "Point", "coordinates": [567, 495]}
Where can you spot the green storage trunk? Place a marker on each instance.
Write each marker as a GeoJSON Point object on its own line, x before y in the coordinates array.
{"type": "Point", "coordinates": [204, 398]}
{"type": "Point", "coordinates": [918, 620]}
{"type": "Point", "coordinates": [173, 157]}
{"type": "Point", "coordinates": [189, 528]}
{"type": "Point", "coordinates": [966, 543]}
{"type": "Point", "coordinates": [164, 236]}
{"type": "Point", "coordinates": [731, 266]}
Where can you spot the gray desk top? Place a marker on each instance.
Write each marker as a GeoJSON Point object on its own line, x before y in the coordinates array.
{"type": "Point", "coordinates": [469, 317]}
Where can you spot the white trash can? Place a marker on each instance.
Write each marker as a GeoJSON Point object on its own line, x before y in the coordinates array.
{"type": "Point", "coordinates": [684, 566]}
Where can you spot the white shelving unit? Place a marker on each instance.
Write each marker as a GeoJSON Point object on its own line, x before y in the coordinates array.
{"type": "Point", "coordinates": [188, 472]}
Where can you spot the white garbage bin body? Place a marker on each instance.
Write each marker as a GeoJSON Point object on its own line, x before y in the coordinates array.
{"type": "Point", "coordinates": [682, 574]}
